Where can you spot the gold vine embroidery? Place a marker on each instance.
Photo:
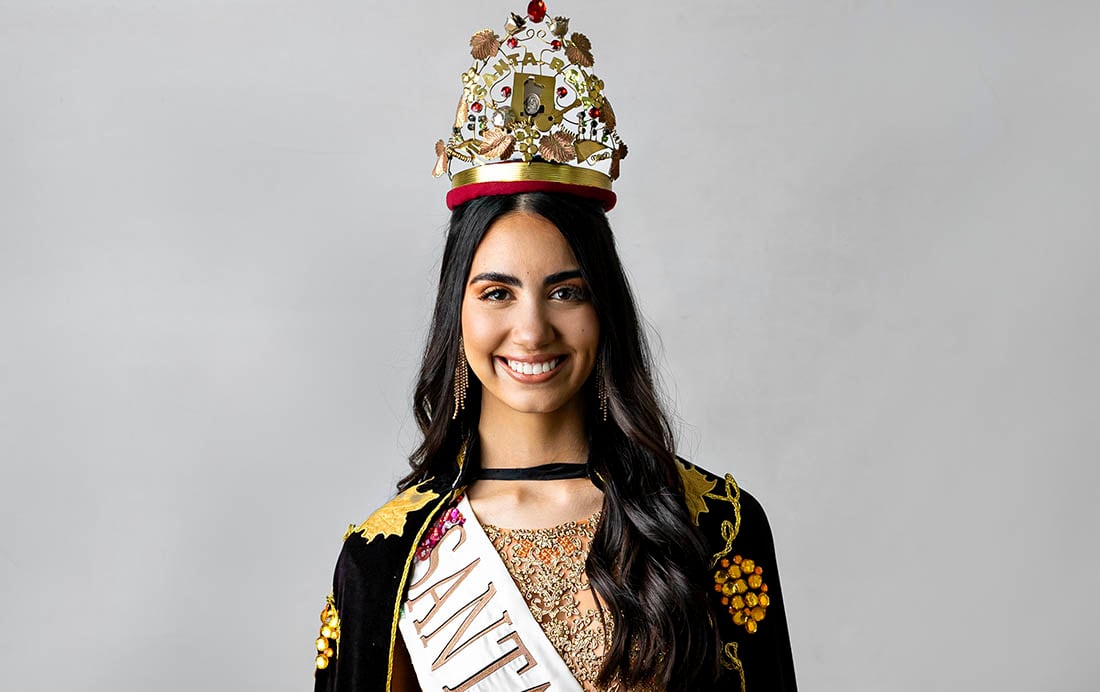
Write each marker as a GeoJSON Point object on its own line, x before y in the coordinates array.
{"type": "Point", "coordinates": [730, 529]}
{"type": "Point", "coordinates": [731, 662]}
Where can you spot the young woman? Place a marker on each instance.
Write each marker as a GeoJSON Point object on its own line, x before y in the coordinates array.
{"type": "Point", "coordinates": [548, 537]}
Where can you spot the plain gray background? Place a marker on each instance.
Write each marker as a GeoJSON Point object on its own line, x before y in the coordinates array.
{"type": "Point", "coordinates": [865, 231]}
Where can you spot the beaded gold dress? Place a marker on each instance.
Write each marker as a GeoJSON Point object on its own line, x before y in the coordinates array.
{"type": "Point", "coordinates": [548, 567]}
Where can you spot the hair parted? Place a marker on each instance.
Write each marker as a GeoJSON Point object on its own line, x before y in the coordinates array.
{"type": "Point", "coordinates": [647, 559]}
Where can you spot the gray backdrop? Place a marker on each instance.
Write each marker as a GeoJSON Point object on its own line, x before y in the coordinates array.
{"type": "Point", "coordinates": [865, 231]}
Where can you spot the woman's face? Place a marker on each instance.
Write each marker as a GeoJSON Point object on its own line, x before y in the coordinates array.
{"type": "Point", "coordinates": [528, 325]}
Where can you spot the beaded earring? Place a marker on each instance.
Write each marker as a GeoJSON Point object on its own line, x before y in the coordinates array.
{"type": "Point", "coordinates": [601, 390]}
{"type": "Point", "coordinates": [462, 380]}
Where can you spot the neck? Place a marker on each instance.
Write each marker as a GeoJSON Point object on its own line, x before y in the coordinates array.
{"type": "Point", "coordinates": [510, 439]}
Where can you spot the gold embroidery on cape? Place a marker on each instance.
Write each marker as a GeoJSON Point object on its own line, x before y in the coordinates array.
{"type": "Point", "coordinates": [329, 638]}
{"type": "Point", "coordinates": [389, 520]}
{"type": "Point", "coordinates": [547, 566]}
{"type": "Point", "coordinates": [730, 529]}
{"type": "Point", "coordinates": [730, 661]}
{"type": "Point", "coordinates": [696, 487]}
{"type": "Point", "coordinates": [743, 602]}
{"type": "Point", "coordinates": [740, 581]}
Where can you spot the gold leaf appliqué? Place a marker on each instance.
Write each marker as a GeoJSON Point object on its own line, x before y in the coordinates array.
{"type": "Point", "coordinates": [607, 115]}
{"type": "Point", "coordinates": [441, 159]}
{"type": "Point", "coordinates": [484, 44]}
{"type": "Point", "coordinates": [696, 487]}
{"type": "Point", "coordinates": [557, 146]}
{"type": "Point", "coordinates": [461, 111]}
{"type": "Point", "coordinates": [616, 156]}
{"type": "Point", "coordinates": [497, 144]}
{"type": "Point", "coordinates": [579, 50]}
{"type": "Point", "coordinates": [389, 520]}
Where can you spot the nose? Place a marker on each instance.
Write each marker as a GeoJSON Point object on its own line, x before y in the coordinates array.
{"type": "Point", "coordinates": [532, 329]}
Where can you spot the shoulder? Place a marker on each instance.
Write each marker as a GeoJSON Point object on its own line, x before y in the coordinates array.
{"type": "Point", "coordinates": [392, 518]}
{"type": "Point", "coordinates": [714, 500]}
{"type": "Point", "coordinates": [386, 537]}
{"type": "Point", "coordinates": [739, 540]}
{"type": "Point", "coordinates": [367, 588]}
{"type": "Point", "coordinates": [743, 579]}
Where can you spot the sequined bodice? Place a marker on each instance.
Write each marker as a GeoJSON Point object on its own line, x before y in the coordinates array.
{"type": "Point", "coordinates": [548, 567]}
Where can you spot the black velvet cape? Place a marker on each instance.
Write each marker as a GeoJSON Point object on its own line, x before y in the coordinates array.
{"type": "Point", "coordinates": [374, 565]}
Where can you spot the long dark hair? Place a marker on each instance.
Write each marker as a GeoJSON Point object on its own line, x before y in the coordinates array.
{"type": "Point", "coordinates": [647, 561]}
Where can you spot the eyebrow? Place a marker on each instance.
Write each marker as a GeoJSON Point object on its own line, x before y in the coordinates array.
{"type": "Point", "coordinates": [509, 280]}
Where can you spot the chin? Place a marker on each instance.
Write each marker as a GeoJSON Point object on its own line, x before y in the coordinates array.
{"type": "Point", "coordinates": [535, 407]}
{"type": "Point", "coordinates": [535, 404]}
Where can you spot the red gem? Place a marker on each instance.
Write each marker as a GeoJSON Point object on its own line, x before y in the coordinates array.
{"type": "Point", "coordinates": [555, 44]}
{"type": "Point", "coordinates": [562, 91]}
{"type": "Point", "coordinates": [536, 10]}
{"type": "Point", "coordinates": [506, 91]}
{"type": "Point", "coordinates": [594, 112]}
{"type": "Point", "coordinates": [512, 42]}
{"type": "Point", "coordinates": [476, 106]}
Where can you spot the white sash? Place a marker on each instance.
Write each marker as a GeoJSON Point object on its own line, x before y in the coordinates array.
{"type": "Point", "coordinates": [467, 627]}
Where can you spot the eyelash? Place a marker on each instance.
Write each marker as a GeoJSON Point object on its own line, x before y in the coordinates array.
{"type": "Point", "coordinates": [487, 295]}
{"type": "Point", "coordinates": [576, 294]}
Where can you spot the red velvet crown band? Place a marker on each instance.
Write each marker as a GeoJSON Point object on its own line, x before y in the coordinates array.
{"type": "Point", "coordinates": [514, 177]}
{"type": "Point", "coordinates": [460, 195]}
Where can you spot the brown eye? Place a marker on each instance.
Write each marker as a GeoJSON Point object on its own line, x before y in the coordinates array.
{"type": "Point", "coordinates": [494, 295]}
{"type": "Point", "coordinates": [569, 293]}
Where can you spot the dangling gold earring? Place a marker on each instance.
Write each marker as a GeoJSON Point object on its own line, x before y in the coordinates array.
{"type": "Point", "coordinates": [462, 380]}
{"type": "Point", "coordinates": [601, 389]}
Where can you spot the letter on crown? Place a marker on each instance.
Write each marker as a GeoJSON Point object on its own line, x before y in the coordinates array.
{"type": "Point", "coordinates": [532, 116]}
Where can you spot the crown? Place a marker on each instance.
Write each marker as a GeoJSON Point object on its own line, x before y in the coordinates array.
{"type": "Point", "coordinates": [532, 116]}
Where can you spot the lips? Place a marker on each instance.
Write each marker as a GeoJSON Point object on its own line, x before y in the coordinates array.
{"type": "Point", "coordinates": [531, 371]}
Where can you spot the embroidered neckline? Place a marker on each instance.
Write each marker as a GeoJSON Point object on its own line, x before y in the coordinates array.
{"type": "Point", "coordinates": [591, 520]}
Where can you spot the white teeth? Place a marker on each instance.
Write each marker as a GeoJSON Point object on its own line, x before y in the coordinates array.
{"type": "Point", "coordinates": [533, 368]}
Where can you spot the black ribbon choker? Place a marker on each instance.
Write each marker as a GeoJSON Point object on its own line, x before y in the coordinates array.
{"type": "Point", "coordinates": [546, 472]}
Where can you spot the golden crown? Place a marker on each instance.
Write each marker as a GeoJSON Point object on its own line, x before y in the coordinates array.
{"type": "Point", "coordinates": [532, 116]}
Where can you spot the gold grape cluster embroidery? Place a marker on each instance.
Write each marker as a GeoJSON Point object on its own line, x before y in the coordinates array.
{"type": "Point", "coordinates": [741, 583]}
{"type": "Point", "coordinates": [330, 634]}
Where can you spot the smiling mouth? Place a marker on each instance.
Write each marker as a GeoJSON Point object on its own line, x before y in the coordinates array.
{"type": "Point", "coordinates": [531, 372]}
{"type": "Point", "coordinates": [524, 368]}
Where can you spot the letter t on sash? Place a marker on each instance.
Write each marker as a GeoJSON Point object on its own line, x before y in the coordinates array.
{"type": "Point", "coordinates": [520, 650]}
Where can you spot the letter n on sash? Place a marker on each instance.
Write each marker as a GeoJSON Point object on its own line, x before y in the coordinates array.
{"type": "Point", "coordinates": [475, 607]}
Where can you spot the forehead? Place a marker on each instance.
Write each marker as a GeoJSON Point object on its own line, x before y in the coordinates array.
{"type": "Point", "coordinates": [523, 243]}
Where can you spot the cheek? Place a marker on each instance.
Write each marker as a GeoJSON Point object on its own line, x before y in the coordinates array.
{"type": "Point", "coordinates": [585, 327]}
{"type": "Point", "coordinates": [481, 333]}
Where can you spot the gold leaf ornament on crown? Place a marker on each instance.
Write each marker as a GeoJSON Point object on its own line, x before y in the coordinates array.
{"type": "Point", "coordinates": [531, 99]}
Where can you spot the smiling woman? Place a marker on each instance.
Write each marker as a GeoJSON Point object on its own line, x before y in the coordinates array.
{"type": "Point", "coordinates": [547, 536]}
{"type": "Point", "coordinates": [529, 329]}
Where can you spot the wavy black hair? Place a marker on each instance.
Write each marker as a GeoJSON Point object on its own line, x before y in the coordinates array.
{"type": "Point", "coordinates": [647, 561]}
